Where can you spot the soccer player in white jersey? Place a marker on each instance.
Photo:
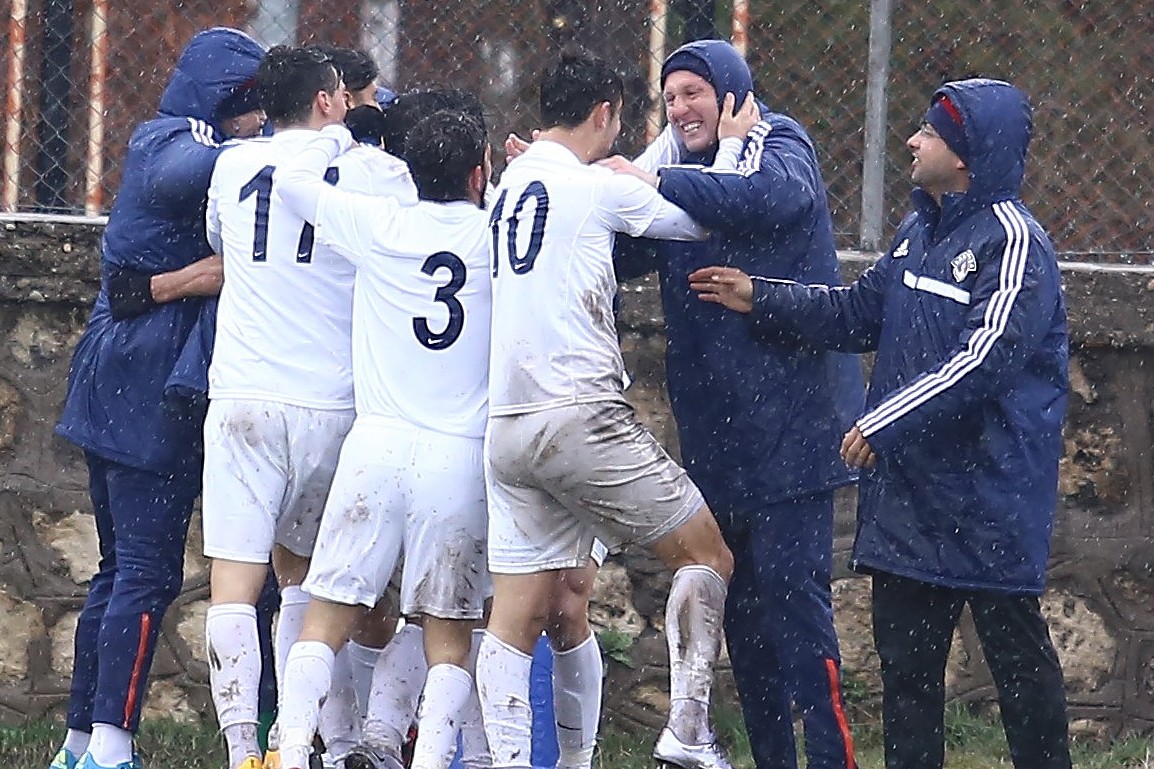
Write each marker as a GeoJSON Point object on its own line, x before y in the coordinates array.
{"type": "Point", "coordinates": [410, 476]}
{"type": "Point", "coordinates": [568, 460]}
{"type": "Point", "coordinates": [280, 382]}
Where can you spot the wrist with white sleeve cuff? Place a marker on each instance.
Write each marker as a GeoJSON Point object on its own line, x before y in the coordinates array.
{"type": "Point", "coordinates": [728, 153]}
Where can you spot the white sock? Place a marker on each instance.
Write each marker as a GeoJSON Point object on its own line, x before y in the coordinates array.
{"type": "Point", "coordinates": [340, 719]}
{"type": "Point", "coordinates": [362, 662]}
{"type": "Point", "coordinates": [447, 689]}
{"type": "Point", "coordinates": [474, 746]}
{"type": "Point", "coordinates": [308, 675]}
{"type": "Point", "coordinates": [503, 686]}
{"type": "Point", "coordinates": [397, 683]}
{"type": "Point", "coordinates": [110, 745]}
{"type": "Point", "coordinates": [577, 676]}
{"type": "Point", "coordinates": [234, 665]}
{"type": "Point", "coordinates": [289, 620]}
{"type": "Point", "coordinates": [76, 741]}
{"type": "Point", "coordinates": [693, 631]}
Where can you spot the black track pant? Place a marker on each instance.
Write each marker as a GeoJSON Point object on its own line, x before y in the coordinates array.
{"type": "Point", "coordinates": [913, 625]}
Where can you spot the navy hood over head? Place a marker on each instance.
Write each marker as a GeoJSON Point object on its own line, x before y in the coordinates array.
{"type": "Point", "coordinates": [215, 64]}
{"type": "Point", "coordinates": [998, 124]}
{"type": "Point", "coordinates": [997, 121]}
{"type": "Point", "coordinates": [724, 68]}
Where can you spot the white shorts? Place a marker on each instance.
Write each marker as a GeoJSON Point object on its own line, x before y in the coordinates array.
{"type": "Point", "coordinates": [267, 470]}
{"type": "Point", "coordinates": [560, 478]}
{"type": "Point", "coordinates": [400, 489]}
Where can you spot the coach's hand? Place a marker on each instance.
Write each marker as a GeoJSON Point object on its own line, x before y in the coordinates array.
{"type": "Point", "coordinates": [620, 165]}
{"type": "Point", "coordinates": [737, 123]}
{"type": "Point", "coordinates": [856, 451]}
{"type": "Point", "coordinates": [727, 286]}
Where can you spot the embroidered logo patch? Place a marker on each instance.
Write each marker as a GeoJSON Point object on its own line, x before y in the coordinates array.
{"type": "Point", "coordinates": [963, 264]}
{"type": "Point", "coordinates": [902, 249]}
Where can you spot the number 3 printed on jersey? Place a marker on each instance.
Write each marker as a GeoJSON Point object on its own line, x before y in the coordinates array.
{"type": "Point", "coordinates": [261, 186]}
{"type": "Point", "coordinates": [446, 295]}
{"type": "Point", "coordinates": [518, 262]}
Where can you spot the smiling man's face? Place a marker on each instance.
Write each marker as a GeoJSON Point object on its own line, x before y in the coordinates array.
{"type": "Point", "coordinates": [691, 108]}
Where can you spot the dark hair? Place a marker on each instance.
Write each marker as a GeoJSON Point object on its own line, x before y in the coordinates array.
{"type": "Point", "coordinates": [410, 107]}
{"type": "Point", "coordinates": [574, 85]}
{"type": "Point", "coordinates": [441, 151]}
{"type": "Point", "coordinates": [367, 124]}
{"type": "Point", "coordinates": [290, 77]}
{"type": "Point", "coordinates": [357, 67]}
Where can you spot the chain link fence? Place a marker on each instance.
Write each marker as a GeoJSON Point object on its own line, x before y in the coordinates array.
{"type": "Point", "coordinates": [79, 74]}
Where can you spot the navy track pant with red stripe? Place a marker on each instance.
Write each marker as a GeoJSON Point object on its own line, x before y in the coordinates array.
{"type": "Point", "coordinates": [142, 524]}
{"type": "Point", "coordinates": [780, 632]}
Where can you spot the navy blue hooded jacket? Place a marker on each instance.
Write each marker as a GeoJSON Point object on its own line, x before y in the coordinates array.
{"type": "Point", "coordinates": [758, 422]}
{"type": "Point", "coordinates": [968, 390]}
{"type": "Point", "coordinates": [115, 406]}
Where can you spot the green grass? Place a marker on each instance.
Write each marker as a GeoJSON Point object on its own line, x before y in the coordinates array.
{"type": "Point", "coordinates": [162, 744]}
{"type": "Point", "coordinates": [973, 741]}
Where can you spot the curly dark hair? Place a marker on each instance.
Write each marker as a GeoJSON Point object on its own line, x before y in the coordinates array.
{"type": "Point", "coordinates": [442, 150]}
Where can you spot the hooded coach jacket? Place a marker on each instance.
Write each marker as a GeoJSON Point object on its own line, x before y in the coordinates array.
{"type": "Point", "coordinates": [968, 389]}
{"type": "Point", "coordinates": [759, 421]}
{"type": "Point", "coordinates": [115, 402]}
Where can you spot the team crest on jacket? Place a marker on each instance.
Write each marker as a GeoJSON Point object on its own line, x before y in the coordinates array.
{"type": "Point", "coordinates": [902, 249]}
{"type": "Point", "coordinates": [963, 264]}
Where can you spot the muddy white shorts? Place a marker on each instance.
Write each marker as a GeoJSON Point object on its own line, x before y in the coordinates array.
{"type": "Point", "coordinates": [562, 477]}
{"type": "Point", "coordinates": [267, 470]}
{"type": "Point", "coordinates": [401, 489]}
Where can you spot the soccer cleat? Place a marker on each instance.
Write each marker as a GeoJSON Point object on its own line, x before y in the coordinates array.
{"type": "Point", "coordinates": [64, 759]}
{"type": "Point", "coordinates": [272, 760]}
{"type": "Point", "coordinates": [673, 752]}
{"type": "Point", "coordinates": [86, 762]}
{"type": "Point", "coordinates": [252, 762]}
{"type": "Point", "coordinates": [364, 757]}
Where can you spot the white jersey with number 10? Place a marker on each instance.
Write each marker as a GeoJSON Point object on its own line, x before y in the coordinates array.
{"type": "Point", "coordinates": [552, 229]}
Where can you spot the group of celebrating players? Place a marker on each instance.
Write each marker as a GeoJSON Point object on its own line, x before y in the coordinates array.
{"type": "Point", "coordinates": [416, 377]}
{"type": "Point", "coordinates": [473, 329]}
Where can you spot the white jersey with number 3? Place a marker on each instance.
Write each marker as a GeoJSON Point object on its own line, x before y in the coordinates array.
{"type": "Point", "coordinates": [284, 320]}
{"type": "Point", "coordinates": [423, 300]}
{"type": "Point", "coordinates": [553, 225]}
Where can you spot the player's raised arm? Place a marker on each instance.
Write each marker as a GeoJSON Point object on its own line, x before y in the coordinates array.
{"type": "Point", "coordinates": [302, 181]}
{"type": "Point", "coordinates": [662, 151]}
{"type": "Point", "coordinates": [630, 206]}
{"type": "Point", "coordinates": [346, 221]}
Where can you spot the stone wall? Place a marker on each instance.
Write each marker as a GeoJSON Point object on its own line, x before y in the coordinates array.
{"type": "Point", "coordinates": [1100, 604]}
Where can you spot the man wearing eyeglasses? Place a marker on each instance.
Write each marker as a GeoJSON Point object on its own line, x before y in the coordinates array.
{"type": "Point", "coordinates": [962, 430]}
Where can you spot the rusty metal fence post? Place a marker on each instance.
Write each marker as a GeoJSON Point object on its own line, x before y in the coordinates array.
{"type": "Point", "coordinates": [873, 175]}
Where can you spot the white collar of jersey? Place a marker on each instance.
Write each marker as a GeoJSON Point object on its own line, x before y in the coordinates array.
{"type": "Point", "coordinates": [555, 151]}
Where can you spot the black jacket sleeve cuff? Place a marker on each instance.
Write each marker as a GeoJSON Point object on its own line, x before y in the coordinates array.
{"type": "Point", "coordinates": [129, 293]}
